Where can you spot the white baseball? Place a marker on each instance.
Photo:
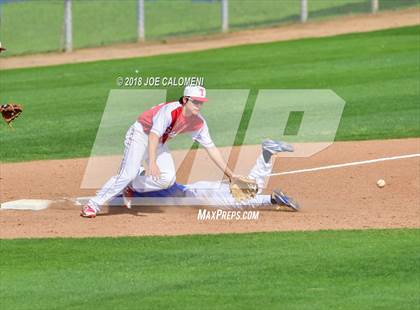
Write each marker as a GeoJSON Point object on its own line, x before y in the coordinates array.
{"type": "Point", "coordinates": [381, 183]}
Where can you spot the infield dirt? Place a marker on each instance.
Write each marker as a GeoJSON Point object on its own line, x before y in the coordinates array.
{"type": "Point", "coordinates": [342, 198]}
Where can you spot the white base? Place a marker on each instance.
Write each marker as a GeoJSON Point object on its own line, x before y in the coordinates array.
{"type": "Point", "coordinates": [26, 204]}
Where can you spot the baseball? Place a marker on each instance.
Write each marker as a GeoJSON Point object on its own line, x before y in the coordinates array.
{"type": "Point", "coordinates": [381, 183]}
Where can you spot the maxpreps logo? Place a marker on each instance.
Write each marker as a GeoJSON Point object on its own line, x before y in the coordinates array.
{"type": "Point", "coordinates": [227, 215]}
{"type": "Point", "coordinates": [307, 118]}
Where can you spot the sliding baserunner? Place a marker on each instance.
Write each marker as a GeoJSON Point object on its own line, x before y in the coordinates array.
{"type": "Point", "coordinates": [217, 194]}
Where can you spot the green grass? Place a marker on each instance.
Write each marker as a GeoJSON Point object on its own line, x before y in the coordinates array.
{"type": "Point", "coordinates": [377, 74]}
{"type": "Point", "coordinates": [374, 269]}
{"type": "Point", "coordinates": [37, 26]}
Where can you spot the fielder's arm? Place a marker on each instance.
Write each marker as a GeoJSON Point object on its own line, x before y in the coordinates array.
{"type": "Point", "coordinates": [153, 143]}
{"type": "Point", "coordinates": [217, 158]}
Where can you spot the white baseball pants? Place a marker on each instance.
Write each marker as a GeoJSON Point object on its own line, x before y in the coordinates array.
{"type": "Point", "coordinates": [136, 150]}
{"type": "Point", "coordinates": [218, 193]}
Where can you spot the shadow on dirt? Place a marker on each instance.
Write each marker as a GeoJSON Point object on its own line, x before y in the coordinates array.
{"type": "Point", "coordinates": [135, 211]}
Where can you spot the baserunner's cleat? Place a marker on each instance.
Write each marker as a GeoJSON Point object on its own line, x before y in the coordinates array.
{"type": "Point", "coordinates": [282, 201]}
{"type": "Point", "coordinates": [274, 147]}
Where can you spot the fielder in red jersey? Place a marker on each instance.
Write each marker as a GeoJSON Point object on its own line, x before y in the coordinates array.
{"type": "Point", "coordinates": [146, 141]}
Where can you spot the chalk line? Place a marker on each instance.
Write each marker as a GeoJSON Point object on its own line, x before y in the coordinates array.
{"type": "Point", "coordinates": [355, 163]}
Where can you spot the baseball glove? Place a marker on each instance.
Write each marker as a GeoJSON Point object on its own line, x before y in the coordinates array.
{"type": "Point", "coordinates": [10, 111]}
{"type": "Point", "coordinates": [243, 188]}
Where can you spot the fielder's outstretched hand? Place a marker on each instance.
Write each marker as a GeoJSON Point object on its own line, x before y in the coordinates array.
{"type": "Point", "coordinates": [243, 188]}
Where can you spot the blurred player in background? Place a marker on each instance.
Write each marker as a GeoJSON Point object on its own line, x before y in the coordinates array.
{"type": "Point", "coordinates": [2, 49]}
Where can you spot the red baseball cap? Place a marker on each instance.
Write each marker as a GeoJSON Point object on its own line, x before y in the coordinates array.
{"type": "Point", "coordinates": [196, 93]}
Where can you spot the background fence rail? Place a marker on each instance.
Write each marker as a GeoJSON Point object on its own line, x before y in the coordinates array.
{"type": "Point", "coordinates": [28, 26]}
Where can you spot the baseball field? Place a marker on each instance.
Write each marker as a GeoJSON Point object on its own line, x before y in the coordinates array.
{"type": "Point", "coordinates": [353, 245]}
